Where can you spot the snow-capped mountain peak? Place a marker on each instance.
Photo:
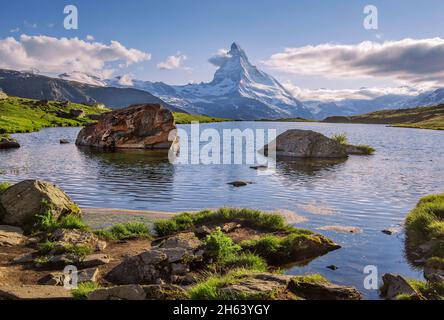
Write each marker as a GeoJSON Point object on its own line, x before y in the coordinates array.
{"type": "Point", "coordinates": [239, 90]}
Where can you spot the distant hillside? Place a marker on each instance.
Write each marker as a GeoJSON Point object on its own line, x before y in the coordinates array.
{"type": "Point", "coordinates": [421, 117]}
{"type": "Point", "coordinates": [33, 86]}
{"type": "Point", "coordinates": [185, 118]}
{"type": "Point", "coordinates": [25, 115]}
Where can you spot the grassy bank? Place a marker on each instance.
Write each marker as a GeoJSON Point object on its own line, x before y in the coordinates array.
{"type": "Point", "coordinates": [421, 118]}
{"type": "Point", "coordinates": [18, 115]}
{"type": "Point", "coordinates": [425, 224]}
{"type": "Point", "coordinates": [184, 118]}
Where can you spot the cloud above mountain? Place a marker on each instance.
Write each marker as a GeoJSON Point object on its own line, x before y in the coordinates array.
{"type": "Point", "coordinates": [59, 55]}
{"type": "Point", "coordinates": [173, 62]}
{"type": "Point", "coordinates": [408, 60]}
{"type": "Point", "coordinates": [325, 95]}
{"type": "Point", "coordinates": [219, 57]}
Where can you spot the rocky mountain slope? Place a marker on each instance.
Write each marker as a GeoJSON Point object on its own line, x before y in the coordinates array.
{"type": "Point", "coordinates": [34, 86]}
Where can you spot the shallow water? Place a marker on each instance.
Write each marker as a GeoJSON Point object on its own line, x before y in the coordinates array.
{"type": "Point", "coordinates": [372, 193]}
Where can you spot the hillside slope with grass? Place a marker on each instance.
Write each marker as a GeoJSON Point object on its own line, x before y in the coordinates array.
{"type": "Point", "coordinates": [18, 115]}
{"type": "Point", "coordinates": [421, 118]}
{"type": "Point", "coordinates": [185, 118]}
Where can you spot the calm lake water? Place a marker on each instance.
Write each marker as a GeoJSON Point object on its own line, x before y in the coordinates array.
{"type": "Point", "coordinates": [372, 193]}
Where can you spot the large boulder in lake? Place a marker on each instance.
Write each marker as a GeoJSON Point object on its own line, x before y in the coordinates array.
{"type": "Point", "coordinates": [21, 203]}
{"type": "Point", "coordinates": [144, 126]}
{"type": "Point", "coordinates": [307, 144]}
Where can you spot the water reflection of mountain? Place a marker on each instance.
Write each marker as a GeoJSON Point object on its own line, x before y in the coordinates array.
{"type": "Point", "coordinates": [132, 175]}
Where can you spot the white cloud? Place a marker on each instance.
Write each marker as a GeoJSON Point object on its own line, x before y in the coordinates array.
{"type": "Point", "coordinates": [324, 94]}
{"type": "Point", "coordinates": [84, 78]}
{"type": "Point", "coordinates": [219, 57]}
{"type": "Point", "coordinates": [90, 38]}
{"type": "Point", "coordinates": [407, 60]}
{"type": "Point", "coordinates": [63, 55]}
{"type": "Point", "coordinates": [15, 30]}
{"type": "Point", "coordinates": [30, 24]}
{"type": "Point", "coordinates": [126, 80]}
{"type": "Point", "coordinates": [172, 62]}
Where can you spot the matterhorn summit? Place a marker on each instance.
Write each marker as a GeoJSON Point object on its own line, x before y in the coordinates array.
{"type": "Point", "coordinates": [239, 90]}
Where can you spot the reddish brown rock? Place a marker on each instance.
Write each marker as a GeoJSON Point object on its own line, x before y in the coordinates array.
{"type": "Point", "coordinates": [145, 126]}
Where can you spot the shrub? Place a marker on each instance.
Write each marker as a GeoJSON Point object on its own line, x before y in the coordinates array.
{"type": "Point", "coordinates": [340, 138]}
{"type": "Point", "coordinates": [220, 247]}
{"type": "Point", "coordinates": [126, 231]}
{"type": "Point", "coordinates": [45, 221]}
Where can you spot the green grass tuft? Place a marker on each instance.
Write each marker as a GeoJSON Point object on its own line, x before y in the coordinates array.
{"type": "Point", "coordinates": [126, 231]}
{"type": "Point", "coordinates": [84, 289]}
{"type": "Point", "coordinates": [426, 222]}
{"type": "Point", "coordinates": [4, 186]}
{"type": "Point", "coordinates": [55, 248]}
{"type": "Point", "coordinates": [340, 138]}
{"type": "Point", "coordinates": [220, 247]}
{"type": "Point", "coordinates": [72, 222]}
{"type": "Point", "coordinates": [310, 278]}
{"type": "Point", "coordinates": [368, 150]}
{"type": "Point", "coordinates": [209, 288]}
{"type": "Point", "coordinates": [247, 261]}
{"type": "Point", "coordinates": [430, 290]}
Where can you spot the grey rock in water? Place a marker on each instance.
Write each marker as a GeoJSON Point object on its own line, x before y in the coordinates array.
{"type": "Point", "coordinates": [306, 144]}
{"type": "Point", "coordinates": [239, 184]}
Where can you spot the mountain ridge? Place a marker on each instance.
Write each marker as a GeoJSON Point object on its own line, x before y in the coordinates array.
{"type": "Point", "coordinates": [40, 87]}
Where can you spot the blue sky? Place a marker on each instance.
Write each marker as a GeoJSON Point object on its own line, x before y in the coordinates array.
{"type": "Point", "coordinates": [198, 28]}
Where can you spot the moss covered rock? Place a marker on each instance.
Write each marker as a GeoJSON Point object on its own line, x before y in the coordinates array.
{"type": "Point", "coordinates": [28, 201]}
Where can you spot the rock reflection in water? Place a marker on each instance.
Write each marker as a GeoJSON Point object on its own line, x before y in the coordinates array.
{"type": "Point", "coordinates": [310, 167]}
